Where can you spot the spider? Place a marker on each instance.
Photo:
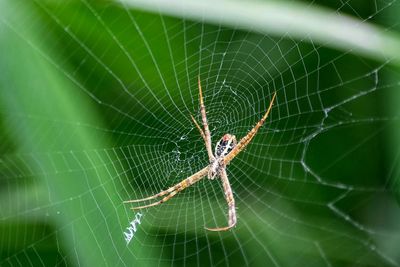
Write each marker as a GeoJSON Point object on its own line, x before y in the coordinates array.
{"type": "Point", "coordinates": [226, 149]}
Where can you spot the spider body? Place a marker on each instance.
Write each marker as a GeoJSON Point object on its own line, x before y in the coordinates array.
{"type": "Point", "coordinates": [226, 149]}
{"type": "Point", "coordinates": [225, 145]}
{"type": "Point", "coordinates": [222, 148]}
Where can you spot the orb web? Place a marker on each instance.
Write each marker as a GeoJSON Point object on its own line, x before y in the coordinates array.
{"type": "Point", "coordinates": [317, 185]}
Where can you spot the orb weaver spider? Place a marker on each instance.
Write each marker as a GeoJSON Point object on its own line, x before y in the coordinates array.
{"type": "Point", "coordinates": [226, 149]}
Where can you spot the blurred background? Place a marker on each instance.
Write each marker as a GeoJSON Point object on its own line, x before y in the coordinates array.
{"type": "Point", "coordinates": [95, 98]}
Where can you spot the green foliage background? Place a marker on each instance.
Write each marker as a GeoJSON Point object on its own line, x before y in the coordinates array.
{"type": "Point", "coordinates": [55, 176]}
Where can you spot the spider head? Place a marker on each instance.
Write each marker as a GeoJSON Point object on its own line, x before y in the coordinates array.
{"type": "Point", "coordinates": [225, 145]}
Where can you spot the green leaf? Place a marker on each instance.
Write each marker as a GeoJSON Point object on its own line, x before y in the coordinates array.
{"type": "Point", "coordinates": [79, 197]}
{"type": "Point", "coordinates": [296, 20]}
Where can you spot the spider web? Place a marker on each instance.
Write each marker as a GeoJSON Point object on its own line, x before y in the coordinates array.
{"type": "Point", "coordinates": [99, 113]}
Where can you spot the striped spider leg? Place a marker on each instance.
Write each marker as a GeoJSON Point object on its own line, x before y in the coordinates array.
{"type": "Point", "coordinates": [172, 191]}
{"type": "Point", "coordinates": [226, 150]}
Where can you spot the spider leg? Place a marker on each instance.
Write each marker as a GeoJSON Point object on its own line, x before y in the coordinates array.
{"type": "Point", "coordinates": [231, 203]}
{"type": "Point", "coordinates": [246, 140]}
{"type": "Point", "coordinates": [199, 128]}
{"type": "Point", "coordinates": [172, 191]}
{"type": "Point", "coordinates": [165, 199]}
{"type": "Point", "coordinates": [162, 193]}
{"type": "Point", "coordinates": [207, 133]}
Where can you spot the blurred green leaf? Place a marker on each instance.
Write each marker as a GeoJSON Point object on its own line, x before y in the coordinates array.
{"type": "Point", "coordinates": [285, 18]}
{"type": "Point", "coordinates": [88, 219]}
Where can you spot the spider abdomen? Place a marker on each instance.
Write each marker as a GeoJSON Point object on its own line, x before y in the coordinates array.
{"type": "Point", "coordinates": [225, 145]}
